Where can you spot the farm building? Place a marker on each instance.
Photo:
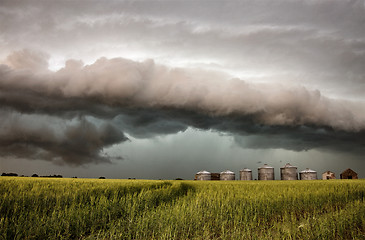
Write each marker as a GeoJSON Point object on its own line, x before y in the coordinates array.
{"type": "Point", "coordinates": [348, 174]}
{"type": "Point", "coordinates": [227, 175]}
{"type": "Point", "coordinates": [266, 173]}
{"type": "Point", "coordinates": [216, 176]}
{"type": "Point", "coordinates": [246, 174]}
{"type": "Point", "coordinates": [203, 175]}
{"type": "Point", "coordinates": [328, 175]}
{"type": "Point", "coordinates": [288, 172]}
{"type": "Point", "coordinates": [308, 174]}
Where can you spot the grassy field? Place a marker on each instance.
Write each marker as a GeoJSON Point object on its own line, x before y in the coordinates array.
{"type": "Point", "coordinates": [40, 208]}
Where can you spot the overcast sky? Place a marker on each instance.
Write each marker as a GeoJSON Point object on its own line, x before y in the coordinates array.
{"type": "Point", "coordinates": [163, 89]}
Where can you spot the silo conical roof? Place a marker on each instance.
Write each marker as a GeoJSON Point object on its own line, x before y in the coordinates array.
{"type": "Point", "coordinates": [246, 170]}
{"type": "Point", "coordinates": [265, 166]}
{"type": "Point", "coordinates": [227, 172]}
{"type": "Point", "coordinates": [307, 170]}
{"type": "Point", "coordinates": [288, 165]}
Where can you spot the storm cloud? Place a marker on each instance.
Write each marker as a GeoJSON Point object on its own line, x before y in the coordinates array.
{"type": "Point", "coordinates": [145, 99]}
{"type": "Point", "coordinates": [291, 42]}
{"type": "Point", "coordinates": [110, 84]}
{"type": "Point", "coordinates": [73, 142]}
{"type": "Point", "coordinates": [77, 79]}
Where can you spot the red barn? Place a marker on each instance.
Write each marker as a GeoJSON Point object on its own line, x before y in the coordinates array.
{"type": "Point", "coordinates": [348, 174]}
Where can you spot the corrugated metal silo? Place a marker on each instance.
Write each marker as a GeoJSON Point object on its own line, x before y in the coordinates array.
{"type": "Point", "coordinates": [227, 175]}
{"type": "Point", "coordinates": [266, 172]}
{"type": "Point", "coordinates": [289, 172]}
{"type": "Point", "coordinates": [308, 174]}
{"type": "Point", "coordinates": [246, 174]}
{"type": "Point", "coordinates": [203, 175]}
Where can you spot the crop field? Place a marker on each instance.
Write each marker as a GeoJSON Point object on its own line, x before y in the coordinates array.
{"type": "Point", "coordinates": [41, 208]}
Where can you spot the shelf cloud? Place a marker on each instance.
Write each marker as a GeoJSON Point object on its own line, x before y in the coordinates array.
{"type": "Point", "coordinates": [145, 99]}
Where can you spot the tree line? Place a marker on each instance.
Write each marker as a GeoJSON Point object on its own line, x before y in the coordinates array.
{"type": "Point", "coordinates": [34, 175]}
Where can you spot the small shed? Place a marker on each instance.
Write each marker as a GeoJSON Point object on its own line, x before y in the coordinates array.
{"type": "Point", "coordinates": [216, 176]}
{"type": "Point", "coordinates": [348, 174]}
{"type": "Point", "coordinates": [328, 175]}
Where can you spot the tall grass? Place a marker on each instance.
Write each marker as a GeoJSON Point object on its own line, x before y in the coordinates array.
{"type": "Point", "coordinates": [32, 208]}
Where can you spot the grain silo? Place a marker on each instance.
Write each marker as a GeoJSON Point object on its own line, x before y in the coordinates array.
{"type": "Point", "coordinates": [246, 174]}
{"type": "Point", "coordinates": [227, 175]}
{"type": "Point", "coordinates": [308, 174]}
{"type": "Point", "coordinates": [203, 175]}
{"type": "Point", "coordinates": [289, 172]}
{"type": "Point", "coordinates": [266, 172]}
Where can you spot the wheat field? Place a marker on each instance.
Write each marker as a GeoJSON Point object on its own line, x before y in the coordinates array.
{"type": "Point", "coordinates": [45, 208]}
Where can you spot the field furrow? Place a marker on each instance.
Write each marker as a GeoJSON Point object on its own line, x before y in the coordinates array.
{"type": "Point", "coordinates": [34, 208]}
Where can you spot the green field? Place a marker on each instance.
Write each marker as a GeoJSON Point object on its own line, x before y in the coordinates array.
{"type": "Point", "coordinates": [40, 208]}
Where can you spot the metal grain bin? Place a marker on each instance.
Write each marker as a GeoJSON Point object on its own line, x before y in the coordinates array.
{"type": "Point", "coordinates": [266, 172]}
{"type": "Point", "coordinates": [227, 175]}
{"type": "Point", "coordinates": [289, 172]}
{"type": "Point", "coordinates": [203, 175]}
{"type": "Point", "coordinates": [246, 174]}
{"type": "Point", "coordinates": [308, 174]}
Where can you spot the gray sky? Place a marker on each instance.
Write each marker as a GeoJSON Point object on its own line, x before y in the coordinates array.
{"type": "Point", "coordinates": [162, 89]}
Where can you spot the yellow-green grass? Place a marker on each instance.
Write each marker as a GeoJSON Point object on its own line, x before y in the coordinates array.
{"type": "Point", "coordinates": [41, 208]}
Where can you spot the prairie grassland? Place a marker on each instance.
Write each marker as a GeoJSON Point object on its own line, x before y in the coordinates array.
{"type": "Point", "coordinates": [37, 208]}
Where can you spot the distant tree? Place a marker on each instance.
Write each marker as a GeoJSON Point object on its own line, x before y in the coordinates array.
{"type": "Point", "coordinates": [35, 175]}
{"type": "Point", "coordinates": [9, 174]}
{"type": "Point", "coordinates": [53, 176]}
{"type": "Point", "coordinates": [74, 177]}
{"type": "Point", "coordinates": [179, 179]}
{"type": "Point", "coordinates": [101, 177]}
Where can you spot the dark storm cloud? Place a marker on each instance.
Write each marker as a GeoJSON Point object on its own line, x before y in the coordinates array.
{"type": "Point", "coordinates": [74, 142]}
{"type": "Point", "coordinates": [109, 85]}
{"type": "Point", "coordinates": [145, 100]}
{"type": "Point", "coordinates": [247, 131]}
